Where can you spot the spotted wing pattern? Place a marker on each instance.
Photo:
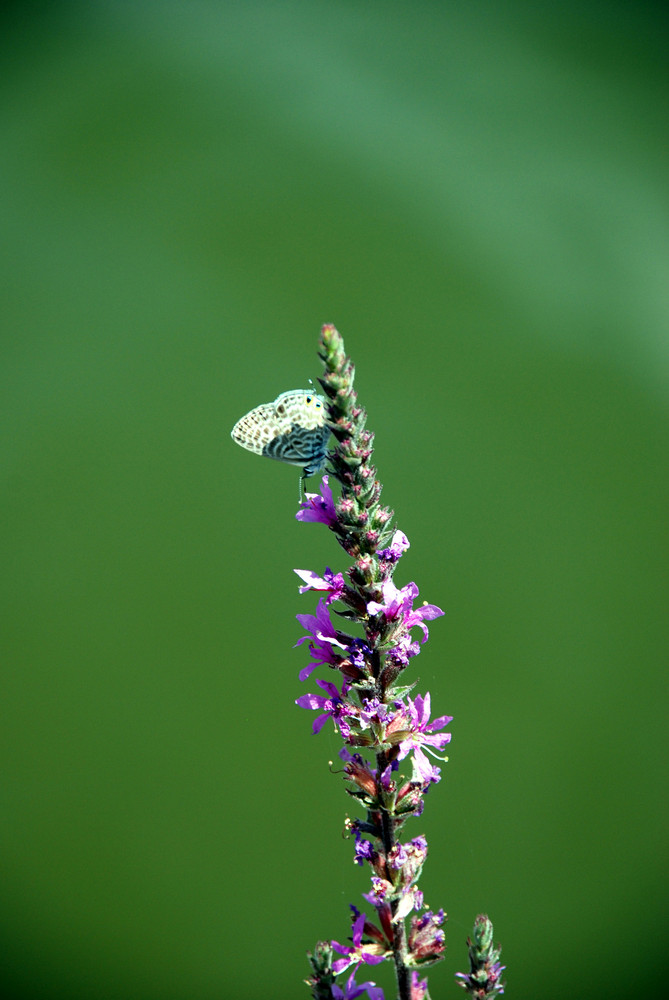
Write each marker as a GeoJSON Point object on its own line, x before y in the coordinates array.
{"type": "Point", "coordinates": [291, 429]}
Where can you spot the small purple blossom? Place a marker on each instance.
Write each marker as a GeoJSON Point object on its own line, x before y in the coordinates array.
{"type": "Point", "coordinates": [331, 582]}
{"type": "Point", "coordinates": [370, 954]}
{"type": "Point", "coordinates": [375, 713]}
{"type": "Point", "coordinates": [419, 843]}
{"type": "Point", "coordinates": [385, 780]}
{"type": "Point", "coordinates": [398, 545]}
{"type": "Point", "coordinates": [403, 650]}
{"type": "Point", "coordinates": [364, 850]}
{"type": "Point", "coordinates": [352, 990]}
{"type": "Point", "coordinates": [359, 654]}
{"type": "Point", "coordinates": [424, 773]}
{"type": "Point", "coordinates": [426, 938]}
{"type": "Point", "coordinates": [398, 856]}
{"type": "Point", "coordinates": [409, 857]}
{"type": "Point", "coordinates": [332, 702]}
{"type": "Point", "coordinates": [398, 605]}
{"type": "Point", "coordinates": [418, 616]}
{"type": "Point", "coordinates": [322, 639]}
{"type": "Point", "coordinates": [382, 889]}
{"type": "Point", "coordinates": [418, 987]}
{"type": "Point", "coordinates": [319, 506]}
{"type": "Point", "coordinates": [422, 732]}
{"type": "Point", "coordinates": [408, 860]}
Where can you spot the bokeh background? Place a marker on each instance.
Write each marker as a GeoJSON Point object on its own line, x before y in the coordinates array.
{"type": "Point", "coordinates": [476, 193]}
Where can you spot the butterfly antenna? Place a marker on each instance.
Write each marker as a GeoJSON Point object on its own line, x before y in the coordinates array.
{"type": "Point", "coordinates": [301, 478]}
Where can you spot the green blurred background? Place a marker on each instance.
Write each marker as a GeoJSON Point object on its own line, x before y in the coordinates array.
{"type": "Point", "coordinates": [476, 194]}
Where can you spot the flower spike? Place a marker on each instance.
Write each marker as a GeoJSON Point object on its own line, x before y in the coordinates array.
{"type": "Point", "coordinates": [389, 739]}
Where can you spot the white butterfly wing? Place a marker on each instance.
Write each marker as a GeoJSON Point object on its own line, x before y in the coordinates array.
{"type": "Point", "coordinates": [292, 429]}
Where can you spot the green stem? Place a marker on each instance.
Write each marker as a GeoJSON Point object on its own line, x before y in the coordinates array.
{"type": "Point", "coordinates": [400, 939]}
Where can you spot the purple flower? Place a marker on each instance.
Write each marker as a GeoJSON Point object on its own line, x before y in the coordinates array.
{"type": "Point", "coordinates": [319, 506]}
{"type": "Point", "coordinates": [426, 938]}
{"type": "Point", "coordinates": [417, 616]}
{"type": "Point", "coordinates": [364, 850]}
{"type": "Point", "coordinates": [398, 545]}
{"type": "Point", "coordinates": [375, 713]}
{"type": "Point", "coordinates": [332, 703]}
{"type": "Point", "coordinates": [353, 990]}
{"type": "Point", "coordinates": [403, 650]}
{"type": "Point", "coordinates": [397, 856]}
{"type": "Point", "coordinates": [395, 601]}
{"type": "Point", "coordinates": [381, 889]}
{"type": "Point", "coordinates": [322, 639]}
{"type": "Point", "coordinates": [408, 860]}
{"type": "Point", "coordinates": [385, 778]}
{"type": "Point", "coordinates": [370, 954]}
{"type": "Point", "coordinates": [424, 774]}
{"type": "Point", "coordinates": [398, 605]}
{"type": "Point", "coordinates": [422, 732]}
{"type": "Point", "coordinates": [418, 987]}
{"type": "Point", "coordinates": [333, 583]}
{"type": "Point", "coordinates": [359, 654]}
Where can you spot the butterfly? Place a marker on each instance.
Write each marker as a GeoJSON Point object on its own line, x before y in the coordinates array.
{"type": "Point", "coordinates": [291, 429]}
